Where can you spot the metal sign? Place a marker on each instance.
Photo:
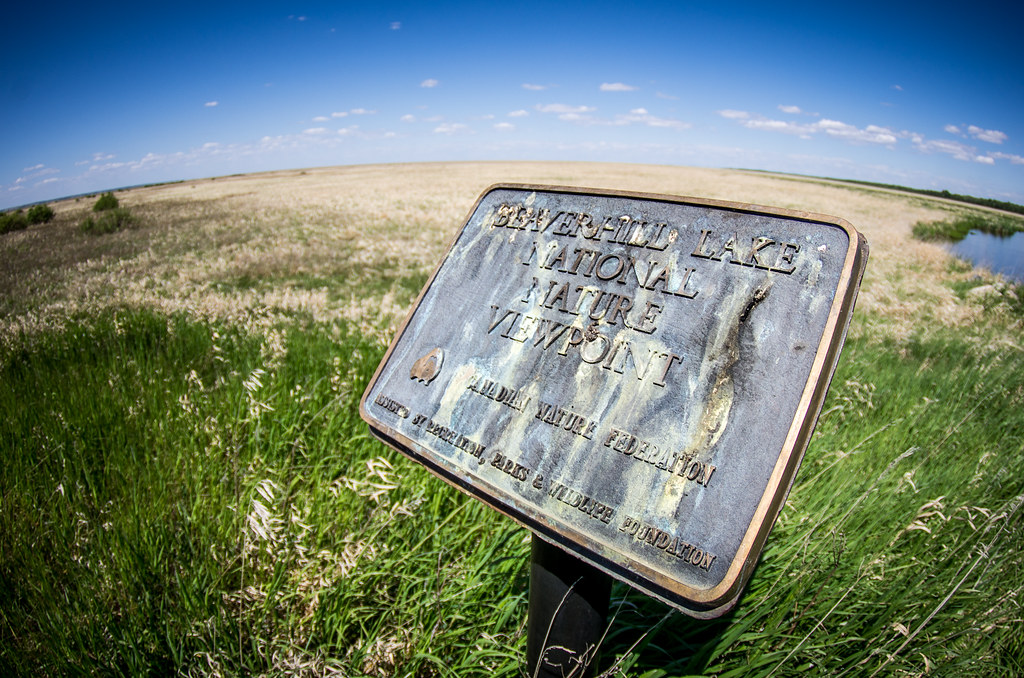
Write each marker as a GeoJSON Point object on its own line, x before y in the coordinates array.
{"type": "Point", "coordinates": [633, 377]}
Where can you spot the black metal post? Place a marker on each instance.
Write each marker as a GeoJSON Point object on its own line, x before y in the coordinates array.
{"type": "Point", "coordinates": [568, 613]}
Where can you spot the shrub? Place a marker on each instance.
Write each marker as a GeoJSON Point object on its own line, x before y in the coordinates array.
{"type": "Point", "coordinates": [109, 221]}
{"type": "Point", "coordinates": [107, 201]}
{"type": "Point", "coordinates": [40, 214]}
{"type": "Point", "coordinates": [13, 221]}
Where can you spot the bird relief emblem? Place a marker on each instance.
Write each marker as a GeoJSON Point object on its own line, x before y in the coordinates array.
{"type": "Point", "coordinates": [426, 368]}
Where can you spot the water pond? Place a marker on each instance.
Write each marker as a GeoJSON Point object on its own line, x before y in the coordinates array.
{"type": "Point", "coordinates": [999, 255]}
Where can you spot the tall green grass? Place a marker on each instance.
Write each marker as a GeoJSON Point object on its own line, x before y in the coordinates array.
{"type": "Point", "coordinates": [176, 501]}
{"type": "Point", "coordinates": [180, 497]}
{"type": "Point", "coordinates": [956, 229]}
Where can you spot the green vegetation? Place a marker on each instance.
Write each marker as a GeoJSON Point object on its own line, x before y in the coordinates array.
{"type": "Point", "coordinates": [957, 229]}
{"type": "Point", "coordinates": [18, 220]}
{"type": "Point", "coordinates": [944, 194]}
{"type": "Point", "coordinates": [109, 221]}
{"type": "Point", "coordinates": [180, 497]}
{"type": "Point", "coordinates": [187, 488]}
{"type": "Point", "coordinates": [112, 217]}
{"type": "Point", "coordinates": [177, 508]}
{"type": "Point", "coordinates": [1009, 294]}
{"type": "Point", "coordinates": [13, 221]}
{"type": "Point", "coordinates": [107, 201]}
{"type": "Point", "coordinates": [968, 199]}
{"type": "Point", "coordinates": [40, 214]}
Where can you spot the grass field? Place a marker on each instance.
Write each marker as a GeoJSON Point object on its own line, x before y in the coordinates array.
{"type": "Point", "coordinates": [187, 488]}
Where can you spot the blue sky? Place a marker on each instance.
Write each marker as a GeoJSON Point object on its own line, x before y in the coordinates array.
{"type": "Point", "coordinates": [98, 97]}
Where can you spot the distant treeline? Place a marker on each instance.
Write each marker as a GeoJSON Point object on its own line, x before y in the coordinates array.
{"type": "Point", "coordinates": [969, 199]}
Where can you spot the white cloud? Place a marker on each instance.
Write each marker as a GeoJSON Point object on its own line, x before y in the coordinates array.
{"type": "Point", "coordinates": [872, 134]}
{"type": "Point", "coordinates": [504, 126]}
{"type": "Point", "coordinates": [36, 172]}
{"type": "Point", "coordinates": [449, 128]}
{"type": "Point", "coordinates": [954, 148]}
{"type": "Point", "coordinates": [984, 160]}
{"type": "Point", "coordinates": [564, 108]}
{"type": "Point", "coordinates": [1013, 158]}
{"type": "Point", "coordinates": [345, 131]}
{"type": "Point", "coordinates": [106, 167]}
{"type": "Point", "coordinates": [880, 135]}
{"type": "Point", "coordinates": [195, 155]}
{"type": "Point", "coordinates": [734, 115]}
{"type": "Point", "coordinates": [518, 114]}
{"type": "Point", "coordinates": [582, 115]}
{"type": "Point", "coordinates": [803, 131]}
{"type": "Point", "coordinates": [361, 111]}
{"type": "Point", "coordinates": [316, 130]}
{"type": "Point", "coordinates": [897, 88]}
{"type": "Point", "coordinates": [952, 129]}
{"type": "Point", "coordinates": [990, 135]}
{"type": "Point", "coordinates": [211, 104]}
{"type": "Point", "coordinates": [429, 82]}
{"type": "Point", "coordinates": [641, 116]}
{"type": "Point", "coordinates": [321, 118]}
{"type": "Point", "coordinates": [396, 25]}
{"type": "Point", "coordinates": [790, 109]}
{"type": "Point", "coordinates": [408, 117]}
{"type": "Point", "coordinates": [339, 114]}
{"type": "Point", "coordinates": [662, 95]}
{"type": "Point", "coordinates": [532, 87]}
{"type": "Point", "coordinates": [616, 87]}
{"type": "Point", "coordinates": [566, 112]}
{"type": "Point", "coordinates": [96, 157]}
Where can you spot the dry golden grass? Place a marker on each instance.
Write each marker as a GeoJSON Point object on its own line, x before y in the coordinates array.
{"type": "Point", "coordinates": [257, 249]}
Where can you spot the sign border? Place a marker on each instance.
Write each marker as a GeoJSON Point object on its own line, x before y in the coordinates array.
{"type": "Point", "coordinates": [701, 603]}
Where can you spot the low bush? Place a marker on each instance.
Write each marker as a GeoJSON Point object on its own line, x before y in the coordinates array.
{"type": "Point", "coordinates": [40, 214]}
{"type": "Point", "coordinates": [107, 201]}
{"type": "Point", "coordinates": [13, 221]}
{"type": "Point", "coordinates": [108, 221]}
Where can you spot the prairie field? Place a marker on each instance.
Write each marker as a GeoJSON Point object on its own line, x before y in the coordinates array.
{"type": "Point", "coordinates": [187, 487]}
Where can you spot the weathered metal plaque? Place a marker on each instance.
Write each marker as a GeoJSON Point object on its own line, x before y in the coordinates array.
{"type": "Point", "coordinates": [633, 377]}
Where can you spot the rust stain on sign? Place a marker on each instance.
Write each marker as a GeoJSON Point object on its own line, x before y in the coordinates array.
{"type": "Point", "coordinates": [634, 377]}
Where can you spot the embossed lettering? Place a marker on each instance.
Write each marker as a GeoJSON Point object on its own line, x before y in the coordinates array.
{"type": "Point", "coordinates": [672, 545]}
{"type": "Point", "coordinates": [392, 406]}
{"type": "Point", "coordinates": [623, 229]}
{"type": "Point", "coordinates": [517, 399]}
{"type": "Point", "coordinates": [454, 438]}
{"type": "Point", "coordinates": [510, 466]}
{"type": "Point", "coordinates": [694, 469]}
{"type": "Point", "coordinates": [578, 500]}
{"type": "Point", "coordinates": [565, 419]}
{"type": "Point", "coordinates": [762, 250]}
